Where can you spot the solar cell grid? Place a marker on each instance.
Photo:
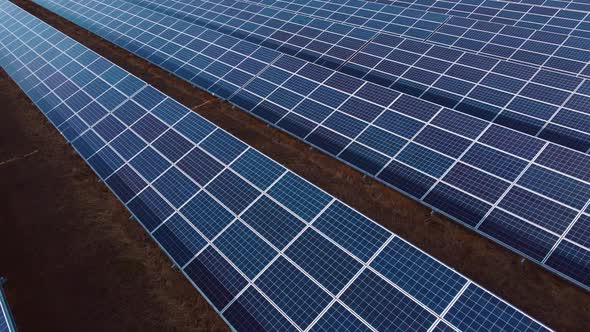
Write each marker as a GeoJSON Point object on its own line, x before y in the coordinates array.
{"type": "Point", "coordinates": [212, 262]}
{"type": "Point", "coordinates": [537, 48]}
{"type": "Point", "coordinates": [481, 91]}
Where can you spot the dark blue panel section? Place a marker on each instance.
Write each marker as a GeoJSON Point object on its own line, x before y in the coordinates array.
{"type": "Point", "coordinates": [150, 209]}
{"type": "Point", "coordinates": [407, 179]}
{"type": "Point", "coordinates": [353, 231]}
{"type": "Point", "coordinates": [465, 208]}
{"type": "Point", "coordinates": [130, 84]}
{"type": "Point", "coordinates": [337, 318]}
{"type": "Point", "coordinates": [580, 232]}
{"type": "Point", "coordinates": [194, 127]}
{"type": "Point", "coordinates": [377, 94]}
{"type": "Point", "coordinates": [494, 161]}
{"type": "Point", "coordinates": [296, 125]}
{"type": "Point", "coordinates": [361, 109]}
{"type": "Point", "coordinates": [426, 160]}
{"type": "Point", "coordinates": [200, 166]}
{"type": "Point", "coordinates": [344, 124]}
{"type": "Point", "coordinates": [175, 186]}
{"type": "Point", "coordinates": [566, 137]}
{"type": "Point", "coordinates": [88, 144]}
{"type": "Point", "coordinates": [539, 210]}
{"type": "Point", "coordinates": [398, 124]}
{"type": "Point", "coordinates": [364, 158]}
{"type": "Point", "coordinates": [149, 97]}
{"type": "Point", "coordinates": [206, 214]}
{"type": "Point", "coordinates": [478, 310]}
{"type": "Point", "coordinates": [566, 161]}
{"type": "Point", "coordinates": [384, 307]}
{"type": "Point", "coordinates": [111, 99]}
{"type": "Point", "coordinates": [299, 196]}
{"type": "Point", "coordinates": [245, 249]}
{"type": "Point", "coordinates": [223, 146]}
{"type": "Point", "coordinates": [476, 182]}
{"type": "Point", "coordinates": [571, 260]}
{"type": "Point", "coordinates": [252, 312]}
{"type": "Point", "coordinates": [328, 140]}
{"type": "Point", "coordinates": [179, 239]}
{"type": "Point", "coordinates": [92, 113]}
{"type": "Point", "coordinates": [269, 111]}
{"type": "Point", "coordinates": [232, 191]}
{"type": "Point", "coordinates": [459, 123]}
{"type": "Point", "coordinates": [503, 139]}
{"type": "Point", "coordinates": [149, 163]}
{"type": "Point", "coordinates": [258, 169]}
{"type": "Point", "coordinates": [129, 112]}
{"type": "Point", "coordinates": [427, 280]}
{"type": "Point", "coordinates": [324, 261]}
{"type": "Point", "coordinates": [442, 141]}
{"type": "Point", "coordinates": [149, 127]}
{"type": "Point", "coordinates": [126, 183]}
{"type": "Point", "coordinates": [415, 107]}
{"type": "Point", "coordinates": [381, 140]}
{"type": "Point", "coordinates": [105, 162]}
{"type": "Point", "coordinates": [128, 144]}
{"type": "Point", "coordinates": [294, 293]}
{"type": "Point", "coordinates": [215, 277]}
{"type": "Point", "coordinates": [109, 127]}
{"type": "Point", "coordinates": [557, 186]}
{"type": "Point", "coordinates": [273, 222]}
{"type": "Point", "coordinates": [518, 234]}
{"type": "Point", "coordinates": [172, 145]}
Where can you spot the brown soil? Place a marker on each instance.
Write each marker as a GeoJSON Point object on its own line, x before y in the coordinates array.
{"type": "Point", "coordinates": [74, 260]}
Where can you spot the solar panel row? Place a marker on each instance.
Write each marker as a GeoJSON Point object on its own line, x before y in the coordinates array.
{"type": "Point", "coordinates": [6, 322]}
{"type": "Point", "coordinates": [534, 101]}
{"type": "Point", "coordinates": [269, 250]}
{"type": "Point", "coordinates": [565, 21]}
{"type": "Point", "coordinates": [534, 200]}
{"type": "Point", "coordinates": [555, 51]}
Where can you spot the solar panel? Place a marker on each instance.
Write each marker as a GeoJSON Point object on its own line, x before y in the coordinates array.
{"type": "Point", "coordinates": [574, 22]}
{"type": "Point", "coordinates": [433, 154]}
{"type": "Point", "coordinates": [208, 199]}
{"type": "Point", "coordinates": [6, 321]}
{"type": "Point", "coordinates": [534, 101]}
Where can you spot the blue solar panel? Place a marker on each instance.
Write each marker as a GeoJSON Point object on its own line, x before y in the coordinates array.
{"type": "Point", "coordinates": [322, 261]}
{"type": "Point", "coordinates": [6, 321]}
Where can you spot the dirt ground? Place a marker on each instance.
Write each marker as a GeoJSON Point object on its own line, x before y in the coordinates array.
{"type": "Point", "coordinates": [74, 260]}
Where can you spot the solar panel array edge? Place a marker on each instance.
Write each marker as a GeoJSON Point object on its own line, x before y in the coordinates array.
{"type": "Point", "coordinates": [410, 170]}
{"type": "Point", "coordinates": [6, 320]}
{"type": "Point", "coordinates": [220, 272]}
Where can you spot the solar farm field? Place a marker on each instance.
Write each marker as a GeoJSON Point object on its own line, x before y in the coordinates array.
{"type": "Point", "coordinates": [100, 222]}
